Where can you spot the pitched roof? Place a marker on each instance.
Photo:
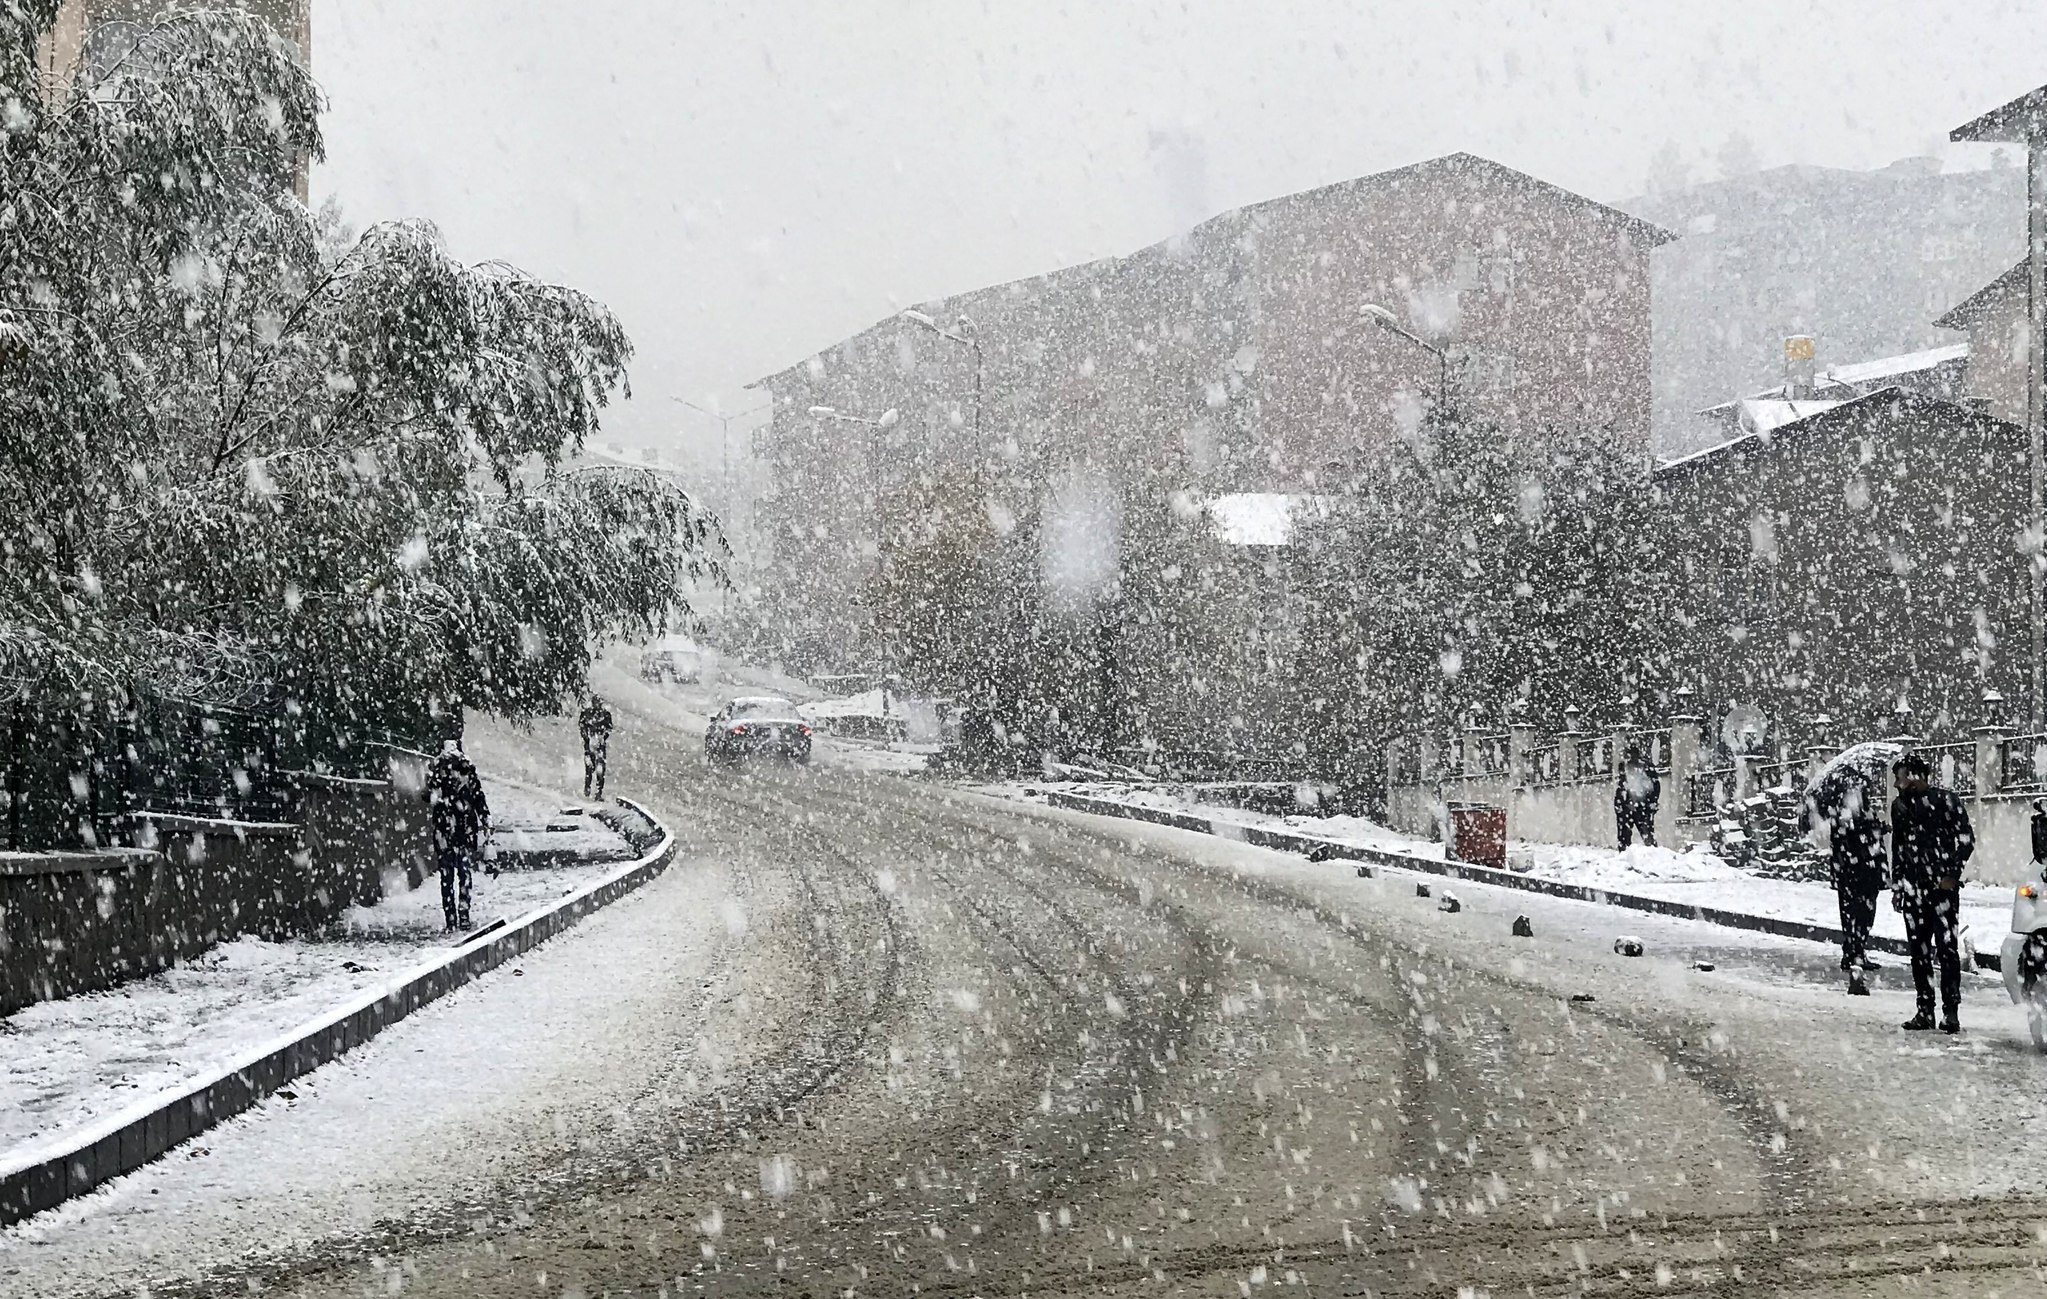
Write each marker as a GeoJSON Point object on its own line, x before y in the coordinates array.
{"type": "Point", "coordinates": [1856, 373]}
{"type": "Point", "coordinates": [1820, 421]}
{"type": "Point", "coordinates": [1988, 298]}
{"type": "Point", "coordinates": [2016, 122]}
{"type": "Point", "coordinates": [1642, 232]}
{"type": "Point", "coordinates": [1469, 164]}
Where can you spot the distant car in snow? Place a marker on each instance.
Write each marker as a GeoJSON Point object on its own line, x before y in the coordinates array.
{"type": "Point", "coordinates": [672, 658]}
{"type": "Point", "coordinates": [757, 726]}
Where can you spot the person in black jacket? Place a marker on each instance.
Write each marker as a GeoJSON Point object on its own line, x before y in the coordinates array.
{"type": "Point", "coordinates": [595, 724]}
{"type": "Point", "coordinates": [1930, 840]}
{"type": "Point", "coordinates": [1855, 850]}
{"type": "Point", "coordinates": [460, 816]}
{"type": "Point", "coordinates": [1636, 793]}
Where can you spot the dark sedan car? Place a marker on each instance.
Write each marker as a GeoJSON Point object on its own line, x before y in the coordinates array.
{"type": "Point", "coordinates": [757, 727]}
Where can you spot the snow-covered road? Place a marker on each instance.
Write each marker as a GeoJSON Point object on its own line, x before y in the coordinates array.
{"type": "Point", "coordinates": [869, 1034]}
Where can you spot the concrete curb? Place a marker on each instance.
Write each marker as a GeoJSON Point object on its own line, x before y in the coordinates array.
{"type": "Point", "coordinates": [1287, 841]}
{"type": "Point", "coordinates": [71, 1164]}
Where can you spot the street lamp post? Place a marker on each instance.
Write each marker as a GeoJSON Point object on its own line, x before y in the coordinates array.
{"type": "Point", "coordinates": [1389, 322]}
{"type": "Point", "coordinates": [884, 421]}
{"type": "Point", "coordinates": [2023, 121]}
{"type": "Point", "coordinates": [964, 336]}
{"type": "Point", "coordinates": [725, 462]}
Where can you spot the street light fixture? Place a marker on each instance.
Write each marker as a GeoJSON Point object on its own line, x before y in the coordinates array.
{"type": "Point", "coordinates": [964, 336]}
{"type": "Point", "coordinates": [1389, 322]}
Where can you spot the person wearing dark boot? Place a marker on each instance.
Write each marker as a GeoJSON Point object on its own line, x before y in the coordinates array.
{"type": "Point", "coordinates": [1931, 838]}
{"type": "Point", "coordinates": [1849, 807]}
{"type": "Point", "coordinates": [595, 724]}
{"type": "Point", "coordinates": [460, 818]}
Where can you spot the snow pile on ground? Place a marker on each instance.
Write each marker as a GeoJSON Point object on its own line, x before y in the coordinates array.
{"type": "Point", "coordinates": [1622, 870]}
{"type": "Point", "coordinates": [1697, 878]}
{"type": "Point", "coordinates": [533, 829]}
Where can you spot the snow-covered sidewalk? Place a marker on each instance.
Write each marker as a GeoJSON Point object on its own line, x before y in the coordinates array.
{"type": "Point", "coordinates": [68, 1062]}
{"type": "Point", "coordinates": [1696, 878]}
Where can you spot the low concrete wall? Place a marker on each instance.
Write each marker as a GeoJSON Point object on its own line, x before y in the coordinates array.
{"type": "Point", "coordinates": [75, 922]}
{"type": "Point", "coordinates": [1577, 813]}
{"type": "Point", "coordinates": [361, 830]}
{"type": "Point", "coordinates": [2004, 839]}
{"type": "Point", "coordinates": [1415, 810]}
{"type": "Point", "coordinates": [75, 1163]}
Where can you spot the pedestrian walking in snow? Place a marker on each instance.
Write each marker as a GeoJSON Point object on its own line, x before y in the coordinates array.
{"type": "Point", "coordinates": [1848, 808]}
{"type": "Point", "coordinates": [1930, 840]}
{"type": "Point", "coordinates": [460, 816]}
{"type": "Point", "coordinates": [595, 723]}
{"type": "Point", "coordinates": [1636, 794]}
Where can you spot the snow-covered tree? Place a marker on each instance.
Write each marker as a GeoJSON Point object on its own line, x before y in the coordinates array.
{"type": "Point", "coordinates": [223, 423]}
{"type": "Point", "coordinates": [1470, 574]}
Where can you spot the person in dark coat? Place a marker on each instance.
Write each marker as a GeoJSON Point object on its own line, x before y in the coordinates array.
{"type": "Point", "coordinates": [1636, 794]}
{"type": "Point", "coordinates": [1931, 838]}
{"type": "Point", "coordinates": [595, 724]}
{"type": "Point", "coordinates": [1855, 857]}
{"type": "Point", "coordinates": [460, 816]}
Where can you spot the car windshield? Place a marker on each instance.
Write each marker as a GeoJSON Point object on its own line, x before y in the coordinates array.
{"type": "Point", "coordinates": [761, 708]}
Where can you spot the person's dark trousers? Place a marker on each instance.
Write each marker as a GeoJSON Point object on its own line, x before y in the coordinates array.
{"type": "Point", "coordinates": [455, 871]}
{"type": "Point", "coordinates": [1930, 920]}
{"type": "Point", "coordinates": [1624, 826]}
{"type": "Point", "coordinates": [1645, 824]}
{"type": "Point", "coordinates": [593, 768]}
{"type": "Point", "coordinates": [1858, 914]}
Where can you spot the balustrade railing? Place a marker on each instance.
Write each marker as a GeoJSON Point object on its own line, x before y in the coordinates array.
{"type": "Point", "coordinates": [1654, 746]}
{"type": "Point", "coordinates": [1595, 758]}
{"type": "Point", "coordinates": [1491, 753]}
{"type": "Point", "coordinates": [1954, 765]}
{"type": "Point", "coordinates": [1788, 774]}
{"type": "Point", "coordinates": [2025, 765]}
{"type": "Point", "coordinates": [1706, 792]}
{"type": "Point", "coordinates": [1546, 765]}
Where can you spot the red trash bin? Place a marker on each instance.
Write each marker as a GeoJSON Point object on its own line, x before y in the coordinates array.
{"type": "Point", "coordinates": [1478, 835]}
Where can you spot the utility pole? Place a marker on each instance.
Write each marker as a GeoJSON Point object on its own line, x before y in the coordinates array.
{"type": "Point", "coordinates": [725, 474]}
{"type": "Point", "coordinates": [876, 426]}
{"type": "Point", "coordinates": [2023, 121]}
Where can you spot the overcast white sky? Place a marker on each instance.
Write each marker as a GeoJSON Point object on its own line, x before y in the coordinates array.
{"type": "Point", "coordinates": [745, 183]}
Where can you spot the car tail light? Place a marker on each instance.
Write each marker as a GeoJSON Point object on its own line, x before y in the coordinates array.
{"type": "Point", "coordinates": [739, 730]}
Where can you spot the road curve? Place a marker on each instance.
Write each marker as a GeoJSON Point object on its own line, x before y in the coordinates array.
{"type": "Point", "coordinates": [971, 1048]}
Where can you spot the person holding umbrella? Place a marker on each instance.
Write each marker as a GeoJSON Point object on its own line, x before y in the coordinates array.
{"type": "Point", "coordinates": [1931, 838]}
{"type": "Point", "coordinates": [1846, 797]}
{"type": "Point", "coordinates": [1847, 802]}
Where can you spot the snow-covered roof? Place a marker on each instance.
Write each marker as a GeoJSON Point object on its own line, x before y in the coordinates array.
{"type": "Point", "coordinates": [1262, 518]}
{"type": "Point", "coordinates": [1857, 374]}
{"type": "Point", "coordinates": [1890, 367]}
{"type": "Point", "coordinates": [1811, 410]}
{"type": "Point", "coordinates": [1762, 414]}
